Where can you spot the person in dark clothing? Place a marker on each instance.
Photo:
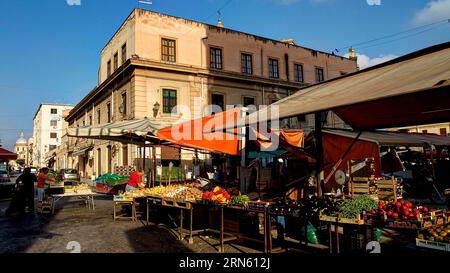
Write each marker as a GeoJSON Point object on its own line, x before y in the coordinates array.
{"type": "Point", "coordinates": [28, 179]}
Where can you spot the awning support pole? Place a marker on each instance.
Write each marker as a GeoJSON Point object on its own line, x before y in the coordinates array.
{"type": "Point", "coordinates": [342, 157]}
{"type": "Point", "coordinates": [319, 152]}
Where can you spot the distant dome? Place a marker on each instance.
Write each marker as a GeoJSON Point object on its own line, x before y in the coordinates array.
{"type": "Point", "coordinates": [21, 140]}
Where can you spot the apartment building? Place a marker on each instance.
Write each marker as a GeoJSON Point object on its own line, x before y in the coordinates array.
{"type": "Point", "coordinates": [442, 129]}
{"type": "Point", "coordinates": [155, 62]}
{"type": "Point", "coordinates": [47, 131]}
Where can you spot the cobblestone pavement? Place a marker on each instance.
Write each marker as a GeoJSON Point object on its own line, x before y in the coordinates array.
{"type": "Point", "coordinates": [96, 232]}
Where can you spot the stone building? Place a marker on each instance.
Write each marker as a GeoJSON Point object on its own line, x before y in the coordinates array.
{"type": "Point", "coordinates": [155, 62]}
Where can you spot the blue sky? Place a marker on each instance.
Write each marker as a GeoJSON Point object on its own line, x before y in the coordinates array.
{"type": "Point", "coordinates": [50, 50]}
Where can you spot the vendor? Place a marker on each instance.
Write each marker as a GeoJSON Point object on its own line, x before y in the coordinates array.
{"type": "Point", "coordinates": [135, 183]}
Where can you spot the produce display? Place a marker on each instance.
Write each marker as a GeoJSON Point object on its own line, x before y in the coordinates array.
{"type": "Point", "coordinates": [239, 200]}
{"type": "Point", "coordinates": [353, 207]}
{"type": "Point", "coordinates": [186, 192]}
{"type": "Point", "coordinates": [218, 195]}
{"type": "Point", "coordinates": [436, 234]}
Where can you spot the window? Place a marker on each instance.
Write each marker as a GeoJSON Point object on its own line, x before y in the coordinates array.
{"type": "Point", "coordinates": [168, 50]}
{"type": "Point", "coordinates": [298, 72]}
{"type": "Point", "coordinates": [169, 100]}
{"type": "Point", "coordinates": [124, 53]}
{"type": "Point", "coordinates": [52, 147]}
{"type": "Point", "coordinates": [319, 75]}
{"type": "Point", "coordinates": [108, 68]}
{"type": "Point", "coordinates": [124, 104]}
{"type": "Point", "coordinates": [218, 99]}
{"type": "Point", "coordinates": [90, 120]}
{"type": "Point", "coordinates": [443, 131]}
{"type": "Point", "coordinates": [99, 120]}
{"type": "Point", "coordinates": [53, 135]}
{"type": "Point", "coordinates": [53, 123]}
{"type": "Point", "coordinates": [249, 101]}
{"type": "Point", "coordinates": [247, 63]}
{"type": "Point", "coordinates": [215, 58]}
{"type": "Point", "coordinates": [425, 131]}
{"type": "Point", "coordinates": [301, 118]}
{"type": "Point", "coordinates": [116, 60]}
{"type": "Point", "coordinates": [273, 68]}
{"type": "Point", "coordinates": [84, 123]}
{"type": "Point", "coordinates": [53, 111]}
{"type": "Point", "coordinates": [108, 112]}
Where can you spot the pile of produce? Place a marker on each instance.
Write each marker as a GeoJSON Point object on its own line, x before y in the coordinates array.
{"type": "Point", "coordinates": [353, 207]}
{"type": "Point", "coordinates": [239, 200]}
{"type": "Point", "coordinates": [400, 210]}
{"type": "Point", "coordinates": [189, 194]}
{"type": "Point", "coordinates": [218, 195]}
{"type": "Point", "coordinates": [112, 180]}
{"type": "Point", "coordinates": [80, 188]}
{"type": "Point", "coordinates": [436, 234]}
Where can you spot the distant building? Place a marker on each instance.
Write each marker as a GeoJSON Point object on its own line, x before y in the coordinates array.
{"type": "Point", "coordinates": [21, 149]}
{"type": "Point", "coordinates": [47, 131]}
{"type": "Point", "coordinates": [155, 62]}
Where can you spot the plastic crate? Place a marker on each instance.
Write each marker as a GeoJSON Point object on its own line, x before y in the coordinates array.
{"type": "Point", "coordinates": [433, 245]}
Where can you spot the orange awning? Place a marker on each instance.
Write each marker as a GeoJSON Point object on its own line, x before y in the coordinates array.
{"type": "Point", "coordinates": [198, 133]}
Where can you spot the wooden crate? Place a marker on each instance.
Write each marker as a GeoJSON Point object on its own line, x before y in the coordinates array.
{"type": "Point", "coordinates": [359, 186]}
{"type": "Point", "coordinates": [387, 189]}
{"type": "Point", "coordinates": [170, 202]}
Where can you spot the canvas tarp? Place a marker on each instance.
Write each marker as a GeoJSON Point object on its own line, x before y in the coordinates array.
{"type": "Point", "coordinates": [197, 134]}
{"type": "Point", "coordinates": [410, 90]}
{"type": "Point", "coordinates": [6, 155]}
{"type": "Point", "coordinates": [336, 143]}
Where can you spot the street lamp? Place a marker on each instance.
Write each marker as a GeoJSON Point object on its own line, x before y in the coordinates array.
{"type": "Point", "coordinates": [156, 107]}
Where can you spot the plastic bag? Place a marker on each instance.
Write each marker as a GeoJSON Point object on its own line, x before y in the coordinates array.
{"type": "Point", "coordinates": [379, 233]}
{"type": "Point", "coordinates": [311, 233]}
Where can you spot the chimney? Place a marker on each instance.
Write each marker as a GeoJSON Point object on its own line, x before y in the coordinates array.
{"type": "Point", "coordinates": [219, 23]}
{"type": "Point", "coordinates": [352, 55]}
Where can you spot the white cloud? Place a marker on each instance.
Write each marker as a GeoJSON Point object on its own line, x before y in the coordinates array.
{"type": "Point", "coordinates": [365, 61]}
{"type": "Point", "coordinates": [73, 2]}
{"type": "Point", "coordinates": [434, 11]}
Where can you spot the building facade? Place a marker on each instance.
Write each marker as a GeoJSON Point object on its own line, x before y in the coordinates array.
{"type": "Point", "coordinates": [155, 62]}
{"type": "Point", "coordinates": [48, 127]}
{"type": "Point", "coordinates": [442, 129]}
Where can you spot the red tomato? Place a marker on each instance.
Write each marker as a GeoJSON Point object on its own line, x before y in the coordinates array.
{"type": "Point", "coordinates": [424, 209]}
{"type": "Point", "coordinates": [395, 215]}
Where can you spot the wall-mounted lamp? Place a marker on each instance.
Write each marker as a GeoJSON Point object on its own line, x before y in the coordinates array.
{"type": "Point", "coordinates": [156, 107]}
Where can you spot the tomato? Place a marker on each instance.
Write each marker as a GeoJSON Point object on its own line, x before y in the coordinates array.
{"type": "Point", "coordinates": [404, 217]}
{"type": "Point", "coordinates": [395, 215]}
{"type": "Point", "coordinates": [424, 209]}
{"type": "Point", "coordinates": [398, 204]}
{"type": "Point", "coordinates": [389, 213]}
{"type": "Point", "coordinates": [409, 205]}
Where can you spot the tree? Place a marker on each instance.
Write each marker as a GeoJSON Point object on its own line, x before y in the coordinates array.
{"type": "Point", "coordinates": [20, 162]}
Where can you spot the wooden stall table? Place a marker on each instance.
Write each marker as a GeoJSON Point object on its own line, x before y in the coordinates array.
{"type": "Point", "coordinates": [125, 202]}
{"type": "Point", "coordinates": [177, 204]}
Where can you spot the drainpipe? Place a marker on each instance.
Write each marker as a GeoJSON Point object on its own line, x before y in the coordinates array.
{"type": "Point", "coordinates": [201, 97]}
{"type": "Point", "coordinates": [263, 96]}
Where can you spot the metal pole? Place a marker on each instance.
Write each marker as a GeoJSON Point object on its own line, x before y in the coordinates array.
{"type": "Point", "coordinates": [319, 152]}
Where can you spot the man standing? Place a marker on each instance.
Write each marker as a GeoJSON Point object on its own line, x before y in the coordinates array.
{"type": "Point", "coordinates": [27, 179]}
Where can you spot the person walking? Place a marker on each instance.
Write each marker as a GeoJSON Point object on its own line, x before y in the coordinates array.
{"type": "Point", "coordinates": [27, 179]}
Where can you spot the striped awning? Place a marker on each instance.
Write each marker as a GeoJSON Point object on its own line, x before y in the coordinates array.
{"type": "Point", "coordinates": [130, 131]}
